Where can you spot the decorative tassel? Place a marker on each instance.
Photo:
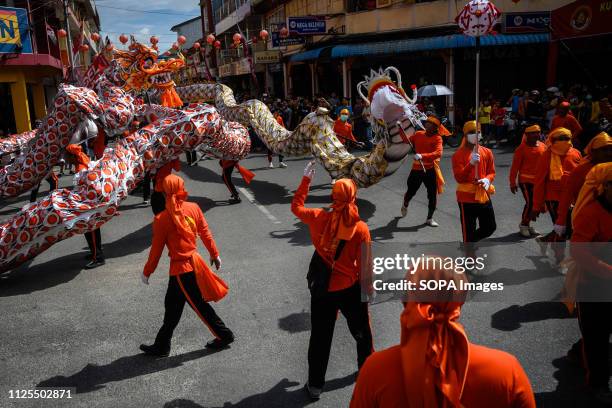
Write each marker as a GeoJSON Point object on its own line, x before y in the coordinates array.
{"type": "Point", "coordinates": [170, 98]}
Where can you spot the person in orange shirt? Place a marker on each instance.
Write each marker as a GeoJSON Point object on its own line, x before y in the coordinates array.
{"type": "Point", "coordinates": [474, 171]}
{"type": "Point", "coordinates": [565, 119]}
{"type": "Point", "coordinates": [524, 163]}
{"type": "Point", "coordinates": [435, 365]}
{"type": "Point", "coordinates": [343, 129]}
{"type": "Point", "coordinates": [94, 238]}
{"type": "Point", "coordinates": [339, 237]}
{"type": "Point", "coordinates": [554, 167]}
{"type": "Point", "coordinates": [425, 167]}
{"type": "Point", "coordinates": [281, 164]}
{"type": "Point", "coordinates": [592, 225]}
{"type": "Point", "coordinates": [177, 228]}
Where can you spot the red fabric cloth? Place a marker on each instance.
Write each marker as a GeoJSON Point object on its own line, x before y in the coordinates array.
{"type": "Point", "coordinates": [592, 224]}
{"type": "Point", "coordinates": [99, 143]}
{"type": "Point", "coordinates": [525, 162]}
{"type": "Point", "coordinates": [550, 190]}
{"type": "Point", "coordinates": [571, 190]}
{"type": "Point", "coordinates": [344, 130]}
{"type": "Point", "coordinates": [429, 147]}
{"type": "Point", "coordinates": [247, 175]}
{"type": "Point", "coordinates": [465, 173]}
{"type": "Point", "coordinates": [280, 120]}
{"type": "Point", "coordinates": [347, 267]}
{"type": "Point", "coordinates": [569, 122]}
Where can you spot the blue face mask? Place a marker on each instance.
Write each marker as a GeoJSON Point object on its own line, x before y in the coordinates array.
{"type": "Point", "coordinates": [344, 118]}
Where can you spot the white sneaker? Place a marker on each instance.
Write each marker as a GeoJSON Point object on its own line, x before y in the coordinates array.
{"type": "Point", "coordinates": [404, 211]}
{"type": "Point", "coordinates": [432, 223]}
{"type": "Point", "coordinates": [524, 231]}
{"type": "Point", "coordinates": [313, 392]}
{"type": "Point", "coordinates": [282, 165]}
{"type": "Point", "coordinates": [534, 232]}
{"type": "Point", "coordinates": [271, 165]}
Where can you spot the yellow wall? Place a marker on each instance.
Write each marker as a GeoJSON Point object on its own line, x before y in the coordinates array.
{"type": "Point", "coordinates": [297, 8]}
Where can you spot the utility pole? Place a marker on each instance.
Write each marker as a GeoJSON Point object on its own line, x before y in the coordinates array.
{"type": "Point", "coordinates": [69, 42]}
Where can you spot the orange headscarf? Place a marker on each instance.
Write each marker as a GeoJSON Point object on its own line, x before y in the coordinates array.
{"type": "Point", "coordinates": [434, 346]}
{"type": "Point", "coordinates": [174, 188]}
{"type": "Point", "coordinates": [77, 151]}
{"type": "Point", "coordinates": [558, 150]}
{"type": "Point", "coordinates": [599, 141]}
{"type": "Point", "coordinates": [345, 215]}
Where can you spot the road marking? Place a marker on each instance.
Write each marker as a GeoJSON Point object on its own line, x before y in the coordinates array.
{"type": "Point", "coordinates": [261, 208]}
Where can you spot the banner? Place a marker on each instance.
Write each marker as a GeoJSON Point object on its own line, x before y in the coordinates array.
{"type": "Point", "coordinates": [267, 57]}
{"type": "Point", "coordinates": [582, 18]}
{"type": "Point", "coordinates": [528, 22]}
{"type": "Point", "coordinates": [14, 31]}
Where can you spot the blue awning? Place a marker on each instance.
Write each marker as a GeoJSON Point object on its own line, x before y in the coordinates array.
{"type": "Point", "coordinates": [420, 44]}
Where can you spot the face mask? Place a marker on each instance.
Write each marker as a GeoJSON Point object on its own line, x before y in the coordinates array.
{"type": "Point", "coordinates": [472, 138]}
{"type": "Point", "coordinates": [344, 118]}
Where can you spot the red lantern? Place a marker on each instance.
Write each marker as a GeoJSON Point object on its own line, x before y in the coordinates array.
{"type": "Point", "coordinates": [182, 40]}
{"type": "Point", "coordinates": [95, 37]}
{"type": "Point", "coordinates": [263, 34]}
{"type": "Point", "coordinates": [154, 40]}
{"type": "Point", "coordinates": [123, 38]}
{"type": "Point", "coordinates": [61, 33]}
{"type": "Point", "coordinates": [196, 45]}
{"type": "Point", "coordinates": [109, 47]}
{"type": "Point", "coordinates": [175, 46]}
{"type": "Point", "coordinates": [284, 32]}
{"type": "Point", "coordinates": [237, 37]}
{"type": "Point", "coordinates": [217, 44]}
{"type": "Point", "coordinates": [210, 38]}
{"type": "Point", "coordinates": [84, 48]}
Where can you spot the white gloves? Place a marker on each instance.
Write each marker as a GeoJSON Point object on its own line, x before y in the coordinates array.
{"type": "Point", "coordinates": [559, 229]}
{"type": "Point", "coordinates": [309, 171]}
{"type": "Point", "coordinates": [417, 157]}
{"type": "Point", "coordinates": [144, 278]}
{"type": "Point", "coordinates": [216, 261]}
{"type": "Point", "coordinates": [474, 159]}
{"type": "Point", "coordinates": [486, 183]}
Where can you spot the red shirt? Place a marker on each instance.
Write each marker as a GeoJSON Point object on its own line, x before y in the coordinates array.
{"type": "Point", "coordinates": [498, 116]}
{"type": "Point", "coordinates": [466, 173]}
{"type": "Point", "coordinates": [545, 189]}
{"type": "Point", "coordinates": [430, 147]}
{"type": "Point", "coordinates": [344, 130]}
{"type": "Point", "coordinates": [180, 249]}
{"type": "Point", "coordinates": [494, 379]}
{"type": "Point", "coordinates": [571, 190]}
{"type": "Point", "coordinates": [569, 122]}
{"type": "Point", "coordinates": [347, 267]}
{"type": "Point", "coordinates": [525, 162]}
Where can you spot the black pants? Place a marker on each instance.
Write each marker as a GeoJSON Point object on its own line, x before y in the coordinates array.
{"type": "Point", "coordinates": [280, 156]}
{"type": "Point", "coordinates": [192, 156]}
{"type": "Point", "coordinates": [472, 213]}
{"type": "Point", "coordinates": [324, 312]}
{"type": "Point", "coordinates": [183, 288]}
{"type": "Point", "coordinates": [553, 210]}
{"type": "Point", "coordinates": [527, 190]}
{"type": "Point", "coordinates": [146, 187]}
{"type": "Point", "coordinates": [415, 179]}
{"type": "Point", "coordinates": [596, 327]}
{"type": "Point", "coordinates": [53, 185]}
{"type": "Point", "coordinates": [94, 242]}
{"type": "Point", "coordinates": [227, 179]}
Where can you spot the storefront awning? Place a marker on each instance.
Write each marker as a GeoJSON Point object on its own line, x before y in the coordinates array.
{"type": "Point", "coordinates": [421, 44]}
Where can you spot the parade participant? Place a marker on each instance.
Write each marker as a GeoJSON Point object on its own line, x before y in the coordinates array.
{"type": "Point", "coordinates": [592, 222]}
{"type": "Point", "coordinates": [191, 280]}
{"type": "Point", "coordinates": [94, 238]}
{"type": "Point", "coordinates": [553, 169]}
{"type": "Point", "coordinates": [425, 167]}
{"type": "Point", "coordinates": [53, 185]}
{"type": "Point", "coordinates": [281, 164]}
{"type": "Point", "coordinates": [565, 119]}
{"type": "Point", "coordinates": [343, 129]}
{"type": "Point", "coordinates": [163, 172]}
{"type": "Point", "coordinates": [474, 171]}
{"type": "Point", "coordinates": [339, 237]}
{"type": "Point", "coordinates": [435, 365]}
{"type": "Point", "coordinates": [599, 150]}
{"type": "Point", "coordinates": [227, 167]}
{"type": "Point", "coordinates": [524, 164]}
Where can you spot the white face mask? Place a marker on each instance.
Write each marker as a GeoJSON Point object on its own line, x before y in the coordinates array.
{"type": "Point", "coordinates": [472, 138]}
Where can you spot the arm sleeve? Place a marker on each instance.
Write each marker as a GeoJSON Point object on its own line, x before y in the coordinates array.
{"type": "Point", "coordinates": [364, 259]}
{"type": "Point", "coordinates": [437, 152]}
{"type": "Point", "coordinates": [490, 167]}
{"type": "Point", "coordinates": [523, 394]}
{"type": "Point", "coordinates": [539, 183]}
{"type": "Point", "coordinates": [461, 171]}
{"type": "Point", "coordinates": [517, 160]}
{"type": "Point", "coordinates": [306, 215]}
{"type": "Point", "coordinates": [157, 246]}
{"type": "Point", "coordinates": [206, 235]}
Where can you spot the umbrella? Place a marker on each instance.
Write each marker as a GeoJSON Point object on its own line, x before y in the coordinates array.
{"type": "Point", "coordinates": [434, 90]}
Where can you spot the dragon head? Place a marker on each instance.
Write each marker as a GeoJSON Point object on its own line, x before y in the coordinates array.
{"type": "Point", "coordinates": [139, 69]}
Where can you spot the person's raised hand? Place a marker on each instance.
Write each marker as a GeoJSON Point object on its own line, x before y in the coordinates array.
{"type": "Point", "coordinates": [309, 170]}
{"type": "Point", "coordinates": [475, 158]}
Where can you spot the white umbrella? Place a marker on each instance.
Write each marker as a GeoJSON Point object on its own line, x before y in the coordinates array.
{"type": "Point", "coordinates": [434, 90]}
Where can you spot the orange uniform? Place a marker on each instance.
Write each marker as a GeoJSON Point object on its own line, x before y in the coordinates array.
{"type": "Point", "coordinates": [571, 189]}
{"type": "Point", "coordinates": [465, 173]}
{"type": "Point", "coordinates": [494, 379]}
{"type": "Point", "coordinates": [550, 190]}
{"type": "Point", "coordinates": [344, 130]}
{"type": "Point", "coordinates": [525, 162]}
{"type": "Point", "coordinates": [180, 247]}
{"type": "Point", "coordinates": [429, 147]}
{"type": "Point", "coordinates": [569, 122]}
{"type": "Point", "coordinates": [346, 269]}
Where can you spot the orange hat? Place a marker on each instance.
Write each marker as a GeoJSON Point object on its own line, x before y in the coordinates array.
{"type": "Point", "coordinates": [593, 186]}
{"type": "Point", "coordinates": [565, 104]}
{"type": "Point", "coordinates": [344, 112]}
{"type": "Point", "coordinates": [470, 127]}
{"type": "Point", "coordinates": [533, 129]}
{"type": "Point", "coordinates": [345, 215]}
{"type": "Point", "coordinates": [433, 120]}
{"type": "Point", "coordinates": [599, 141]}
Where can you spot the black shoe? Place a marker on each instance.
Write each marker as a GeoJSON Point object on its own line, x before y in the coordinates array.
{"type": "Point", "coordinates": [217, 344]}
{"type": "Point", "coordinates": [95, 263]}
{"type": "Point", "coordinates": [154, 350]}
{"type": "Point", "coordinates": [235, 200]}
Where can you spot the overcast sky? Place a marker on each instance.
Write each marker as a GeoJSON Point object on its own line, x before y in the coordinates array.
{"type": "Point", "coordinates": [143, 25]}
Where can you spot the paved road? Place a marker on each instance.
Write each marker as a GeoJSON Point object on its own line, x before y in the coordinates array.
{"type": "Point", "coordinates": [66, 326]}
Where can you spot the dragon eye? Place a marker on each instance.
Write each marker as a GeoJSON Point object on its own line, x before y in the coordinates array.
{"type": "Point", "coordinates": [148, 63]}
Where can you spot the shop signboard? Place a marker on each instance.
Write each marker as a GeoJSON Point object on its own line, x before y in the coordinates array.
{"type": "Point", "coordinates": [528, 22]}
{"type": "Point", "coordinates": [267, 57]}
{"type": "Point", "coordinates": [14, 31]}
{"type": "Point", "coordinates": [312, 25]}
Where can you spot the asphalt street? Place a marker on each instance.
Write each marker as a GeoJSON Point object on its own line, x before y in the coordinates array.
{"type": "Point", "coordinates": [67, 327]}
